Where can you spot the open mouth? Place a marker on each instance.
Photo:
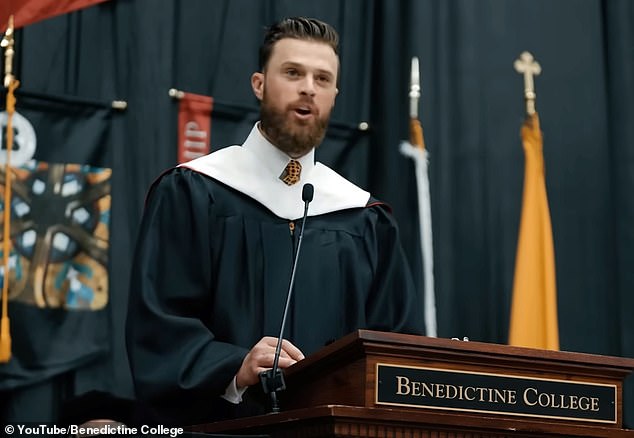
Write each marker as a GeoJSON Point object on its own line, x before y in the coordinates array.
{"type": "Point", "coordinates": [303, 111]}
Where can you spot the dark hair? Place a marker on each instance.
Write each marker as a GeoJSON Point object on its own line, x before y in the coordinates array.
{"type": "Point", "coordinates": [301, 28]}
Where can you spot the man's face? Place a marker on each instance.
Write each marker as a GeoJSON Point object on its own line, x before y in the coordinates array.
{"type": "Point", "coordinates": [297, 91]}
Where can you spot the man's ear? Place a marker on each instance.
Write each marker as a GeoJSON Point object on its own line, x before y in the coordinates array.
{"type": "Point", "coordinates": [257, 84]}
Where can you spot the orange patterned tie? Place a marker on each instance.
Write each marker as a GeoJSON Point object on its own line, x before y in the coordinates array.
{"type": "Point", "coordinates": [291, 173]}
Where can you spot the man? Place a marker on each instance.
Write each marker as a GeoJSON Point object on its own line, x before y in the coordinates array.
{"type": "Point", "coordinates": [218, 239]}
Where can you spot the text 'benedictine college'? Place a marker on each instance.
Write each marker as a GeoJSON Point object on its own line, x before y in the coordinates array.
{"type": "Point", "coordinates": [501, 394]}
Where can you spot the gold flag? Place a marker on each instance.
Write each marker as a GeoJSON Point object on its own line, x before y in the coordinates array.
{"type": "Point", "coordinates": [534, 307]}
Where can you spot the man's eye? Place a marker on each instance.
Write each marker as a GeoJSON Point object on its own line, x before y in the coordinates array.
{"type": "Point", "coordinates": [324, 79]}
{"type": "Point", "coordinates": [292, 73]}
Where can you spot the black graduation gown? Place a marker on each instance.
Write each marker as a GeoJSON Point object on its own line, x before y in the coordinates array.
{"type": "Point", "coordinates": [210, 279]}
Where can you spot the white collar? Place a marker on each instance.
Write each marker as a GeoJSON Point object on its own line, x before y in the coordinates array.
{"type": "Point", "coordinates": [254, 169]}
{"type": "Point", "coordinates": [273, 158]}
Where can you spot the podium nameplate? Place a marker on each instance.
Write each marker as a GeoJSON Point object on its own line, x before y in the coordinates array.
{"type": "Point", "coordinates": [467, 391]}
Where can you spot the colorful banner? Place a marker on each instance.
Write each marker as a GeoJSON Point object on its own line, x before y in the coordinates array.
{"type": "Point", "coordinates": [59, 238]}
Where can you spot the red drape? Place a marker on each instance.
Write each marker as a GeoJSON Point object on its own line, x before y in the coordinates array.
{"type": "Point", "coordinates": [27, 12]}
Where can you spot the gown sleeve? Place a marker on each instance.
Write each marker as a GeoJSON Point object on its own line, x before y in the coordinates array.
{"type": "Point", "coordinates": [393, 303]}
{"type": "Point", "coordinates": [178, 367]}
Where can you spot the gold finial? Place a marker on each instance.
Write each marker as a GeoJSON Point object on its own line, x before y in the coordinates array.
{"type": "Point", "coordinates": [7, 44]}
{"type": "Point", "coordinates": [527, 65]}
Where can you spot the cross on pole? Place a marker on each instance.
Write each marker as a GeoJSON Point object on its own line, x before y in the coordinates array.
{"type": "Point", "coordinates": [527, 65]}
{"type": "Point", "coordinates": [7, 44]}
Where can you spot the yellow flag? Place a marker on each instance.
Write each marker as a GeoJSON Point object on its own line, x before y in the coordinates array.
{"type": "Point", "coordinates": [534, 308]}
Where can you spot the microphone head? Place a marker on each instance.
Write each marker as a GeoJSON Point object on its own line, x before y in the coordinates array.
{"type": "Point", "coordinates": [307, 192]}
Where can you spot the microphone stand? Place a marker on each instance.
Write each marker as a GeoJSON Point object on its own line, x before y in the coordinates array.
{"type": "Point", "coordinates": [273, 380]}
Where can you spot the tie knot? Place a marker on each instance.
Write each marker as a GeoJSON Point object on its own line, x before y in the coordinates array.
{"type": "Point", "coordinates": [291, 173]}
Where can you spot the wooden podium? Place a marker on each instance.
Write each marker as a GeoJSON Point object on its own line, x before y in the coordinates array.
{"type": "Point", "coordinates": [376, 384]}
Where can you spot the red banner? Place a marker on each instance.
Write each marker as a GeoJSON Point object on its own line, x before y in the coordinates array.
{"type": "Point", "coordinates": [194, 126]}
{"type": "Point", "coordinates": [27, 12]}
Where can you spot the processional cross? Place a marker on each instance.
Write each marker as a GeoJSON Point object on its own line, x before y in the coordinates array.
{"type": "Point", "coordinates": [527, 65]}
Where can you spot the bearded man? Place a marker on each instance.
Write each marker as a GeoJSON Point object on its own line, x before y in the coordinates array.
{"type": "Point", "coordinates": [217, 244]}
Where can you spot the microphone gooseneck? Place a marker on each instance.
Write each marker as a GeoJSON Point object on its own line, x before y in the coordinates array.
{"type": "Point", "coordinates": [273, 380]}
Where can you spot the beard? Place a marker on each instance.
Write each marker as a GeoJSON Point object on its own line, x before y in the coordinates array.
{"type": "Point", "coordinates": [293, 137]}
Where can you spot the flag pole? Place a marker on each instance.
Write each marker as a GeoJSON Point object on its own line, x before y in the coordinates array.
{"type": "Point", "coordinates": [415, 127]}
{"type": "Point", "coordinates": [533, 321]}
{"type": "Point", "coordinates": [11, 84]}
{"type": "Point", "coordinates": [416, 150]}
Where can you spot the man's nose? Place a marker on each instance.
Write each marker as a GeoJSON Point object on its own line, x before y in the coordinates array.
{"type": "Point", "coordinates": [307, 86]}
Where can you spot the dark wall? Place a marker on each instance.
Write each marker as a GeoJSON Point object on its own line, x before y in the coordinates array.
{"type": "Point", "coordinates": [472, 108]}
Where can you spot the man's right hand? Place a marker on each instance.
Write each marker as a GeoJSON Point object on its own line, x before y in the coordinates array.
{"type": "Point", "coordinates": [260, 358]}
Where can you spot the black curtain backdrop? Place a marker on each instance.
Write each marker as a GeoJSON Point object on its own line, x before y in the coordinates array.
{"type": "Point", "coordinates": [471, 108]}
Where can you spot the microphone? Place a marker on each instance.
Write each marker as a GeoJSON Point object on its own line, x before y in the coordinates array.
{"type": "Point", "coordinates": [273, 380]}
